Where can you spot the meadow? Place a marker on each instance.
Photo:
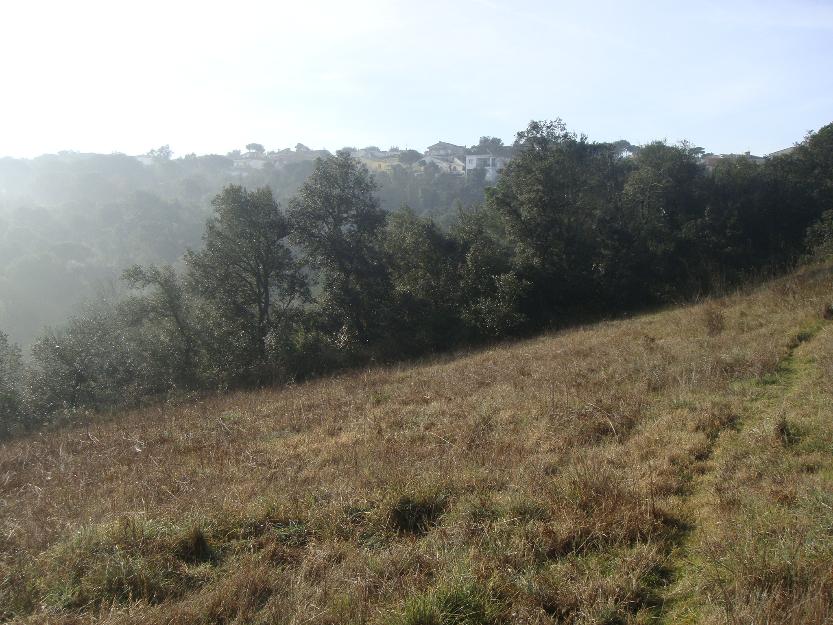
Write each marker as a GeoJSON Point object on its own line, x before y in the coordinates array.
{"type": "Point", "coordinates": [672, 467]}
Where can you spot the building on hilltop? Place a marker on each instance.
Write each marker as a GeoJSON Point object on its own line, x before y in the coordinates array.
{"type": "Point", "coordinates": [376, 159]}
{"type": "Point", "coordinates": [491, 165]}
{"type": "Point", "coordinates": [783, 152]}
{"type": "Point", "coordinates": [709, 161]}
{"type": "Point", "coordinates": [444, 150]}
{"type": "Point", "coordinates": [452, 165]}
{"type": "Point", "coordinates": [301, 153]}
{"type": "Point", "coordinates": [374, 153]}
{"type": "Point", "coordinates": [250, 160]}
{"type": "Point", "coordinates": [381, 164]}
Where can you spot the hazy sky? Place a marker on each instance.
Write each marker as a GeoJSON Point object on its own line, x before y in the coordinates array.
{"type": "Point", "coordinates": [208, 77]}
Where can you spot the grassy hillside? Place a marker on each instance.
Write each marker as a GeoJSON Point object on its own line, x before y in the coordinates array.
{"type": "Point", "coordinates": [672, 468]}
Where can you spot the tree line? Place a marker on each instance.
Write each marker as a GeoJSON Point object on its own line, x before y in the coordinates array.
{"type": "Point", "coordinates": [283, 291]}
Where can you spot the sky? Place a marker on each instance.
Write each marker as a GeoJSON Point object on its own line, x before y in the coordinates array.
{"type": "Point", "coordinates": [209, 77]}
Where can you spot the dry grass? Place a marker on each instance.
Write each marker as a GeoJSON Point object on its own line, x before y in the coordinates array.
{"type": "Point", "coordinates": [607, 474]}
{"type": "Point", "coordinates": [766, 547]}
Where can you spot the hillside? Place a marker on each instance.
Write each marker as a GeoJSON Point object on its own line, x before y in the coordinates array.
{"type": "Point", "coordinates": [669, 468]}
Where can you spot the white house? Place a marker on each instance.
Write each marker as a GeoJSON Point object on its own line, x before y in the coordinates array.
{"type": "Point", "coordinates": [492, 165]}
{"type": "Point", "coordinates": [248, 162]}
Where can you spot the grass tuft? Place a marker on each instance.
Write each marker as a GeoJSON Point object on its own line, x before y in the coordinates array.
{"type": "Point", "coordinates": [193, 547]}
{"type": "Point", "coordinates": [714, 320]}
{"type": "Point", "coordinates": [460, 603]}
{"type": "Point", "coordinates": [416, 513]}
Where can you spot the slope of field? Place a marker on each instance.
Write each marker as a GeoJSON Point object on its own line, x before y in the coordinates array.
{"type": "Point", "coordinates": [671, 468]}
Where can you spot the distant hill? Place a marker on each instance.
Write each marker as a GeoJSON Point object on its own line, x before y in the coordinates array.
{"type": "Point", "coordinates": [70, 223]}
{"type": "Point", "coordinates": [673, 467]}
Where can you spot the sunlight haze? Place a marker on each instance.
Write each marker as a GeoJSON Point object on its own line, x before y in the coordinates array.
{"type": "Point", "coordinates": [208, 77]}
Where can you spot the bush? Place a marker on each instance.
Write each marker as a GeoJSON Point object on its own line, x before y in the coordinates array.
{"type": "Point", "coordinates": [97, 360]}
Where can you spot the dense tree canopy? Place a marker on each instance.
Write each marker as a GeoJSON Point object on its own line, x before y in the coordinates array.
{"type": "Point", "coordinates": [337, 221]}
{"type": "Point", "coordinates": [245, 266]}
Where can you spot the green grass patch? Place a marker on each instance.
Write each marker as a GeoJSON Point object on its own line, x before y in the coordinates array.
{"type": "Point", "coordinates": [131, 560]}
{"type": "Point", "coordinates": [459, 603]}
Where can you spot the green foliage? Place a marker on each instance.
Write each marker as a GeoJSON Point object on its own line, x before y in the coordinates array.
{"type": "Point", "coordinates": [163, 313]}
{"type": "Point", "coordinates": [70, 223]}
{"type": "Point", "coordinates": [429, 191]}
{"type": "Point", "coordinates": [163, 153]}
{"type": "Point", "coordinates": [548, 203]}
{"type": "Point", "coordinates": [423, 262]}
{"type": "Point", "coordinates": [132, 560]}
{"type": "Point", "coordinates": [409, 157]}
{"type": "Point", "coordinates": [96, 360]}
{"type": "Point", "coordinates": [496, 312]}
{"type": "Point", "coordinates": [659, 203]}
{"type": "Point", "coordinates": [606, 227]}
{"type": "Point", "coordinates": [337, 221]}
{"type": "Point", "coordinates": [819, 240]}
{"type": "Point", "coordinates": [491, 291]}
{"type": "Point", "coordinates": [416, 513]}
{"type": "Point", "coordinates": [487, 145]}
{"type": "Point", "coordinates": [247, 272]}
{"type": "Point", "coordinates": [11, 392]}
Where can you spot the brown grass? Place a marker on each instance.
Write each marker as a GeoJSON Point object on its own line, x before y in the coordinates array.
{"type": "Point", "coordinates": [598, 475]}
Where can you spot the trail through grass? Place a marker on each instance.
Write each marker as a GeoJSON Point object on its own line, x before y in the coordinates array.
{"type": "Point", "coordinates": [763, 401]}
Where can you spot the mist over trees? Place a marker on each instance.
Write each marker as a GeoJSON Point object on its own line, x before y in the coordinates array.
{"type": "Point", "coordinates": [71, 223]}
{"type": "Point", "coordinates": [278, 286]}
